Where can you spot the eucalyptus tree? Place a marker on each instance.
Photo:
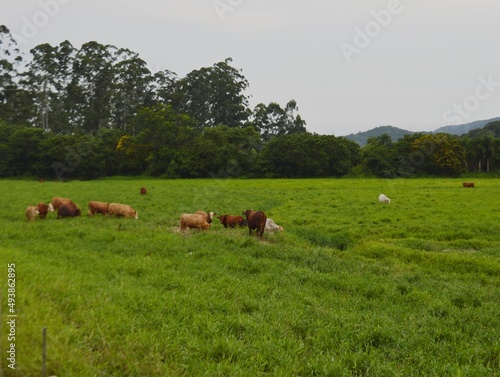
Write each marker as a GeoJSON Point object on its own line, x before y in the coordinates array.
{"type": "Point", "coordinates": [92, 86]}
{"type": "Point", "coordinates": [272, 120]}
{"type": "Point", "coordinates": [13, 100]}
{"type": "Point", "coordinates": [47, 79]}
{"type": "Point", "coordinates": [131, 85]}
{"type": "Point", "coordinates": [213, 95]}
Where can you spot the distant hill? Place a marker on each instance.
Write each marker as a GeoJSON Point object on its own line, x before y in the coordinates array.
{"type": "Point", "coordinates": [397, 133]}
{"type": "Point", "coordinates": [362, 137]}
{"type": "Point", "coordinates": [464, 128]}
{"type": "Point", "coordinates": [491, 129]}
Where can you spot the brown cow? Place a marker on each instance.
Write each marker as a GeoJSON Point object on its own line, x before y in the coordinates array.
{"type": "Point", "coordinates": [194, 220]}
{"type": "Point", "coordinates": [43, 209]}
{"type": "Point", "coordinates": [208, 216]}
{"type": "Point", "coordinates": [144, 191]}
{"type": "Point", "coordinates": [256, 220]}
{"type": "Point", "coordinates": [231, 221]}
{"type": "Point", "coordinates": [56, 202]}
{"type": "Point", "coordinates": [97, 207]}
{"type": "Point", "coordinates": [116, 209]}
{"type": "Point", "coordinates": [68, 210]}
{"type": "Point", "coordinates": [31, 213]}
{"type": "Point", "coordinates": [468, 184]}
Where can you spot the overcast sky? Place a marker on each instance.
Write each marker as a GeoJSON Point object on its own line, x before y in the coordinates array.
{"type": "Point", "coordinates": [351, 65]}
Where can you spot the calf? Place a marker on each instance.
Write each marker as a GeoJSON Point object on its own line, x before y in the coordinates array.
{"type": "Point", "coordinates": [115, 209]}
{"type": "Point", "coordinates": [230, 221]}
{"type": "Point", "coordinates": [271, 226]}
{"type": "Point", "coordinates": [384, 199]}
{"type": "Point", "coordinates": [31, 213]}
{"type": "Point", "coordinates": [468, 184]}
{"type": "Point", "coordinates": [43, 209]}
{"type": "Point", "coordinates": [256, 220]}
{"type": "Point", "coordinates": [68, 210]}
{"type": "Point", "coordinates": [193, 220]}
{"type": "Point", "coordinates": [98, 207]}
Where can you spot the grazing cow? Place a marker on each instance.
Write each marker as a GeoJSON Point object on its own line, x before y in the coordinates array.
{"type": "Point", "coordinates": [256, 220]}
{"type": "Point", "coordinates": [56, 202]}
{"type": "Point", "coordinates": [144, 191]}
{"type": "Point", "coordinates": [43, 209]}
{"type": "Point", "coordinates": [97, 207]}
{"type": "Point", "coordinates": [468, 184]}
{"type": "Point", "coordinates": [31, 213]}
{"type": "Point", "coordinates": [271, 226]}
{"type": "Point", "coordinates": [194, 220]}
{"type": "Point", "coordinates": [68, 210]}
{"type": "Point", "coordinates": [384, 199]}
{"type": "Point", "coordinates": [208, 216]}
{"type": "Point", "coordinates": [115, 209]}
{"type": "Point", "coordinates": [230, 221]}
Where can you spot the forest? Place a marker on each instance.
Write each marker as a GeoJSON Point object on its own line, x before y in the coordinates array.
{"type": "Point", "coordinates": [98, 111]}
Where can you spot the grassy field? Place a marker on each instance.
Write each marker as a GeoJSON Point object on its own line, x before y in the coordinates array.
{"type": "Point", "coordinates": [352, 287]}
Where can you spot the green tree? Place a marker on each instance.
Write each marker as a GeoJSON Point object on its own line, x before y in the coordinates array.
{"type": "Point", "coordinates": [445, 154]}
{"type": "Point", "coordinates": [163, 133]}
{"type": "Point", "coordinates": [308, 155]}
{"type": "Point", "coordinates": [378, 156]}
{"type": "Point", "coordinates": [272, 120]}
{"type": "Point", "coordinates": [131, 85]}
{"type": "Point", "coordinates": [14, 102]}
{"type": "Point", "coordinates": [213, 95]}
{"type": "Point", "coordinates": [92, 86]}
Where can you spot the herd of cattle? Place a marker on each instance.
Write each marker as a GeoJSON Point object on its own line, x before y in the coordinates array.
{"type": "Point", "coordinates": [66, 208]}
{"type": "Point", "coordinates": [254, 220]}
{"type": "Point", "coordinates": [201, 220]}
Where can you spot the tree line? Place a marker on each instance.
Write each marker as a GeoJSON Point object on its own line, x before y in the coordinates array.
{"type": "Point", "coordinates": [98, 111]}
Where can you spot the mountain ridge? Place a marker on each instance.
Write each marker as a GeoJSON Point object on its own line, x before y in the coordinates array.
{"type": "Point", "coordinates": [397, 133]}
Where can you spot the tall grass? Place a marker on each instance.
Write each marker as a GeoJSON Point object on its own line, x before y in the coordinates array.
{"type": "Point", "coordinates": [352, 287]}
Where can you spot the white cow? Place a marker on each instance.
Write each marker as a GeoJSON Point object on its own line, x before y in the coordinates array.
{"type": "Point", "coordinates": [384, 199]}
{"type": "Point", "coordinates": [271, 226]}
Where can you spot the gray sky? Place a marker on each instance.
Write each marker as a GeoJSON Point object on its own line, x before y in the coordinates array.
{"type": "Point", "coordinates": [351, 65]}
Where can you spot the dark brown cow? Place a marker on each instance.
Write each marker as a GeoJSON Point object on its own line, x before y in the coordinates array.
{"type": "Point", "coordinates": [468, 184]}
{"type": "Point", "coordinates": [43, 209]}
{"type": "Point", "coordinates": [98, 207]}
{"type": "Point", "coordinates": [230, 221]}
{"type": "Point", "coordinates": [256, 220]}
{"type": "Point", "coordinates": [144, 191]}
{"type": "Point", "coordinates": [68, 210]}
{"type": "Point", "coordinates": [56, 202]}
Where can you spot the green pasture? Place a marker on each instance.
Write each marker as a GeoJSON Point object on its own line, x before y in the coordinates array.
{"type": "Point", "coordinates": [352, 287]}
